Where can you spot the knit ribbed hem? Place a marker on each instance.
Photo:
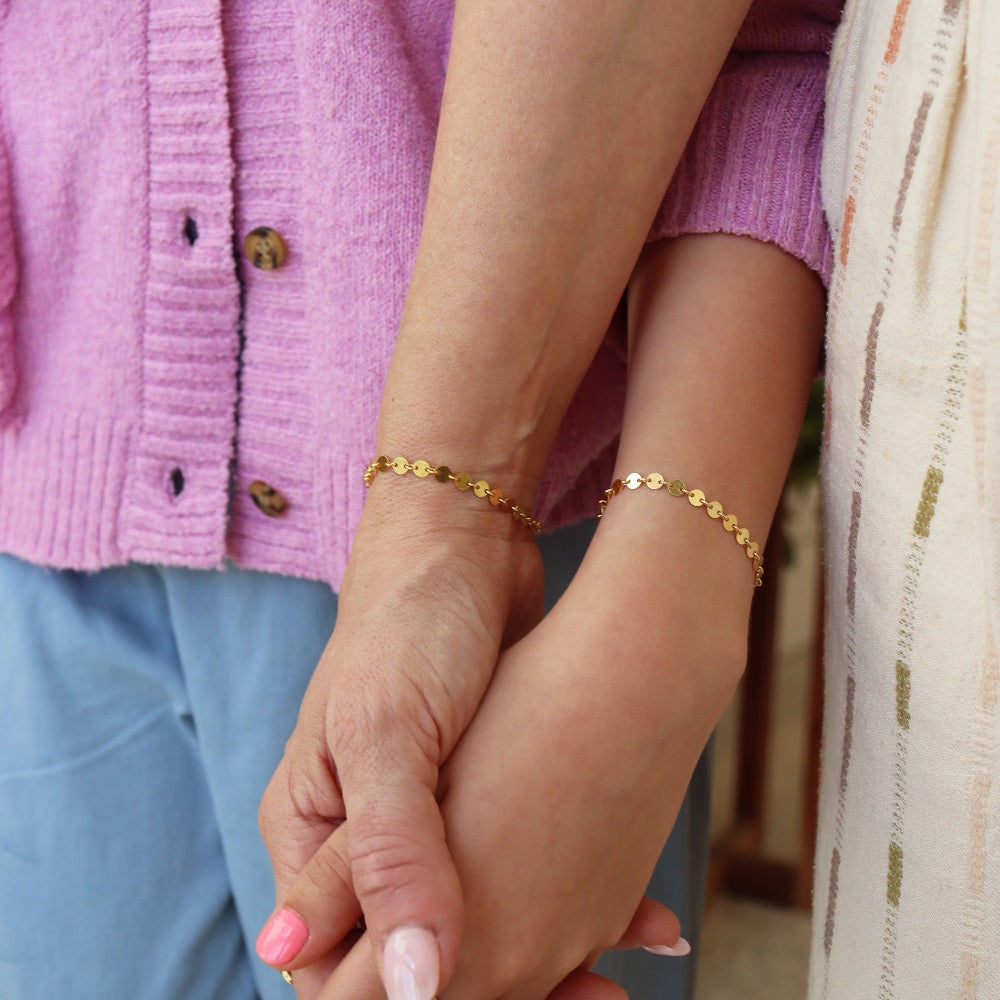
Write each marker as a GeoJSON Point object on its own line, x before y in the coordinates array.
{"type": "Point", "coordinates": [62, 491]}
{"type": "Point", "coordinates": [62, 499]}
{"type": "Point", "coordinates": [340, 499]}
{"type": "Point", "coordinates": [190, 342]}
{"type": "Point", "coordinates": [276, 436]}
{"type": "Point", "coordinates": [752, 167]}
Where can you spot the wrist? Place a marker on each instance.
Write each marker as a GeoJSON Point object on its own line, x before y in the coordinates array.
{"type": "Point", "coordinates": [688, 591]}
{"type": "Point", "coordinates": [507, 449]}
{"type": "Point", "coordinates": [677, 550]}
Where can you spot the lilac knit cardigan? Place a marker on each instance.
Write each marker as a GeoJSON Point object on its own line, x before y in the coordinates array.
{"type": "Point", "coordinates": [146, 378]}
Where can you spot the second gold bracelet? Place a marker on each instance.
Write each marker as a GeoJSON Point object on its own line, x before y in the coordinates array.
{"type": "Point", "coordinates": [677, 488]}
{"type": "Point", "coordinates": [462, 480]}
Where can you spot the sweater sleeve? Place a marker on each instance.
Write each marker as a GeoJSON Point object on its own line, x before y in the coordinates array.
{"type": "Point", "coordinates": [752, 165]}
{"type": "Point", "coordinates": [751, 168]}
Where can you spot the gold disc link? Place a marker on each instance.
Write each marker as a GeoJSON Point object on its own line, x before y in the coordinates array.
{"type": "Point", "coordinates": [461, 480]}
{"type": "Point", "coordinates": [696, 498]}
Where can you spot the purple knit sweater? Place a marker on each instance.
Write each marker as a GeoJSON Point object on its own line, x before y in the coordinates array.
{"type": "Point", "coordinates": [146, 380]}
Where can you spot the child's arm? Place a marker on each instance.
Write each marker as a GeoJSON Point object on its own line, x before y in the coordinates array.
{"type": "Point", "coordinates": [603, 710]}
{"type": "Point", "coordinates": [558, 798]}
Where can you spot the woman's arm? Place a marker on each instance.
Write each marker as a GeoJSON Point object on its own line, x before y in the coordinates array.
{"type": "Point", "coordinates": [560, 129]}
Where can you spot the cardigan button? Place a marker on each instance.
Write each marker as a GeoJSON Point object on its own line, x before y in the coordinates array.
{"type": "Point", "coordinates": [267, 498]}
{"type": "Point", "coordinates": [265, 248]}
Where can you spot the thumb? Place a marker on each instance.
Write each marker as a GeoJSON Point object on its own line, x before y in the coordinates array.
{"type": "Point", "coordinates": [402, 871]}
{"type": "Point", "coordinates": [389, 859]}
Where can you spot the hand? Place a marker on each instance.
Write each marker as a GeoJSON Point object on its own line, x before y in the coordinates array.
{"type": "Point", "coordinates": [560, 795]}
{"type": "Point", "coordinates": [653, 927]}
{"type": "Point", "coordinates": [423, 614]}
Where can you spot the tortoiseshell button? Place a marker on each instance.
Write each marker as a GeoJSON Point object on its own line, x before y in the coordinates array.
{"type": "Point", "coordinates": [265, 248]}
{"type": "Point", "coordinates": [268, 500]}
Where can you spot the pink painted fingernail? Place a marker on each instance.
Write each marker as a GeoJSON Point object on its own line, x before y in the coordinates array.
{"type": "Point", "coordinates": [411, 964]}
{"type": "Point", "coordinates": [678, 949]}
{"type": "Point", "coordinates": [282, 937]}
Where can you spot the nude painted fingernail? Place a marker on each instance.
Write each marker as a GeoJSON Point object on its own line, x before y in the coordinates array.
{"type": "Point", "coordinates": [282, 937]}
{"type": "Point", "coordinates": [678, 949]}
{"type": "Point", "coordinates": [411, 964]}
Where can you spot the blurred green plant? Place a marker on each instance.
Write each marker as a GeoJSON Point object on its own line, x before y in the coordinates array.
{"type": "Point", "coordinates": [804, 469]}
{"type": "Point", "coordinates": [805, 461]}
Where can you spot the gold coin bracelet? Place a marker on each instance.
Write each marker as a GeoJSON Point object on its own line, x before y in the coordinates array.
{"type": "Point", "coordinates": [462, 480]}
{"type": "Point", "coordinates": [696, 498]}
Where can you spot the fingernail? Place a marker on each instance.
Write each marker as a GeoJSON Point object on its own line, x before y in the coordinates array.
{"type": "Point", "coordinates": [411, 964]}
{"type": "Point", "coordinates": [678, 949]}
{"type": "Point", "coordinates": [282, 937]}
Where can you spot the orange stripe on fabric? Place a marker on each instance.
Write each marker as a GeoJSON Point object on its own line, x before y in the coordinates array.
{"type": "Point", "coordinates": [850, 206]}
{"type": "Point", "coordinates": [896, 32]}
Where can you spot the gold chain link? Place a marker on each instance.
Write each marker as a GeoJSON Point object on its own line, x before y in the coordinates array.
{"type": "Point", "coordinates": [462, 480]}
{"type": "Point", "coordinates": [696, 498]}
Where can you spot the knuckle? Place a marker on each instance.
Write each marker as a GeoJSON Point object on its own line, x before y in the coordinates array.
{"type": "Point", "coordinates": [303, 786]}
{"type": "Point", "coordinates": [313, 791]}
{"type": "Point", "coordinates": [386, 729]}
{"type": "Point", "coordinates": [387, 864]}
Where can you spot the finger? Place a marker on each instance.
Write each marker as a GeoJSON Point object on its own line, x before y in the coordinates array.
{"type": "Point", "coordinates": [293, 825]}
{"type": "Point", "coordinates": [656, 928]}
{"type": "Point", "coordinates": [316, 912]}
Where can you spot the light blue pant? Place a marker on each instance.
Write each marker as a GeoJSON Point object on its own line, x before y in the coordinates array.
{"type": "Point", "coordinates": [142, 711]}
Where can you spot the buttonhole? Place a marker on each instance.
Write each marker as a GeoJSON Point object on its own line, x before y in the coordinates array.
{"type": "Point", "coordinates": [177, 482]}
{"type": "Point", "coordinates": [190, 230]}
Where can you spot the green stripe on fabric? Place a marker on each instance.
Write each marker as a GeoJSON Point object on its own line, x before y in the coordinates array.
{"type": "Point", "coordinates": [902, 695]}
{"type": "Point", "coordinates": [894, 882]}
{"type": "Point", "coordinates": [928, 501]}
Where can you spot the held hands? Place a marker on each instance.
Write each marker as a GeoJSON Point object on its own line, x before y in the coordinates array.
{"type": "Point", "coordinates": [420, 626]}
{"type": "Point", "coordinates": [556, 802]}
